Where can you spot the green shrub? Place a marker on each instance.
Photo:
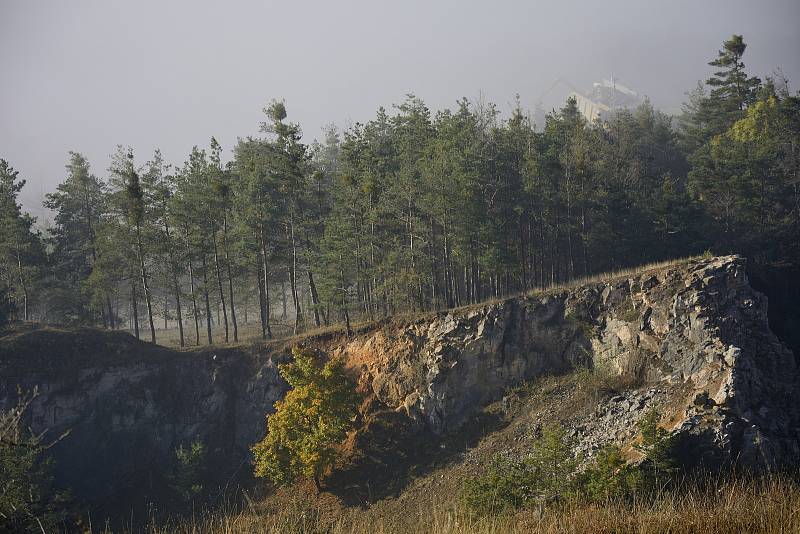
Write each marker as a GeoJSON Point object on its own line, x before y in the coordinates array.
{"type": "Point", "coordinates": [610, 477]}
{"type": "Point", "coordinates": [7, 308]}
{"type": "Point", "coordinates": [628, 312]}
{"type": "Point", "coordinates": [547, 473]}
{"type": "Point", "coordinates": [28, 501]}
{"type": "Point", "coordinates": [658, 446]}
{"type": "Point", "coordinates": [499, 490]}
{"type": "Point", "coordinates": [186, 478]}
{"type": "Point", "coordinates": [583, 325]}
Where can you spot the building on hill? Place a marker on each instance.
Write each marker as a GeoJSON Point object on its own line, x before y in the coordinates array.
{"type": "Point", "coordinates": [605, 96]}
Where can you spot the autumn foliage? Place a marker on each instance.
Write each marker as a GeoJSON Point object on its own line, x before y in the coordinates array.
{"type": "Point", "coordinates": [309, 423]}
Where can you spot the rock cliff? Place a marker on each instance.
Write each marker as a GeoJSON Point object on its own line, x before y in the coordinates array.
{"type": "Point", "coordinates": [690, 339]}
{"type": "Point", "coordinates": [125, 405]}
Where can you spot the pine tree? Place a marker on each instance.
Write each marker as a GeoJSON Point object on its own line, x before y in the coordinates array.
{"type": "Point", "coordinates": [80, 206]}
{"type": "Point", "coordinates": [731, 89]}
{"type": "Point", "coordinates": [259, 203]}
{"type": "Point", "coordinates": [290, 164]}
{"type": "Point", "coordinates": [721, 188]}
{"type": "Point", "coordinates": [133, 214]}
{"type": "Point", "coordinates": [219, 201]}
{"type": "Point", "coordinates": [167, 244]}
{"type": "Point", "coordinates": [21, 251]}
{"type": "Point", "coordinates": [191, 208]}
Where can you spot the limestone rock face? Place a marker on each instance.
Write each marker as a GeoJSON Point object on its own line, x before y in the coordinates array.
{"type": "Point", "coordinates": [443, 370]}
{"type": "Point", "coordinates": [694, 335]}
{"type": "Point", "coordinates": [697, 328]}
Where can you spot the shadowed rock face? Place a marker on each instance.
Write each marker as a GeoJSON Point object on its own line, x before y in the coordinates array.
{"type": "Point", "coordinates": [128, 405]}
{"type": "Point", "coordinates": [695, 334]}
{"type": "Point", "coordinates": [697, 329]}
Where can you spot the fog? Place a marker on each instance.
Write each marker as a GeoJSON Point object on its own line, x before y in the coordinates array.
{"type": "Point", "coordinates": [87, 76]}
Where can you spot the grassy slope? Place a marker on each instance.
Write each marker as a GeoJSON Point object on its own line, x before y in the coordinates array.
{"type": "Point", "coordinates": [429, 502]}
{"type": "Point", "coordinates": [426, 499]}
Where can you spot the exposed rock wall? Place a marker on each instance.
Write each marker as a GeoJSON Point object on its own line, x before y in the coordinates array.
{"type": "Point", "coordinates": [695, 334]}
{"type": "Point", "coordinates": [128, 405]}
{"type": "Point", "coordinates": [697, 325]}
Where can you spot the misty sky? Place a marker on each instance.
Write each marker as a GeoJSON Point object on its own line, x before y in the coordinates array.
{"type": "Point", "coordinates": [88, 75]}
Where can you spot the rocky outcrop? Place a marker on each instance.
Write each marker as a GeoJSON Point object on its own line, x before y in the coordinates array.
{"type": "Point", "coordinates": [124, 406]}
{"type": "Point", "coordinates": [691, 339]}
{"type": "Point", "coordinates": [697, 328]}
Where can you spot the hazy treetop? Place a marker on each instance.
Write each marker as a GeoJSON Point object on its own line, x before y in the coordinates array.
{"type": "Point", "coordinates": [90, 75]}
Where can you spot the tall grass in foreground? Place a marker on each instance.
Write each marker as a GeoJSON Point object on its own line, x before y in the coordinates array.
{"type": "Point", "coordinates": [743, 505]}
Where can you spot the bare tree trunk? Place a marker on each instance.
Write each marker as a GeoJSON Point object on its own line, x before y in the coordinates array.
{"type": "Point", "coordinates": [194, 304]}
{"type": "Point", "coordinates": [219, 286]}
{"type": "Point", "coordinates": [230, 278]}
{"type": "Point", "coordinates": [541, 251]}
{"type": "Point", "coordinates": [434, 270]}
{"type": "Point", "coordinates": [345, 313]}
{"type": "Point", "coordinates": [570, 255]}
{"type": "Point", "coordinates": [205, 295]}
{"type": "Point", "coordinates": [135, 309]}
{"type": "Point", "coordinates": [314, 298]}
{"type": "Point", "coordinates": [372, 256]}
{"type": "Point", "coordinates": [265, 262]}
{"type": "Point", "coordinates": [145, 287]}
{"type": "Point", "coordinates": [584, 252]}
{"type": "Point", "coordinates": [111, 321]}
{"type": "Point", "coordinates": [283, 300]}
{"type": "Point", "coordinates": [448, 268]}
{"type": "Point", "coordinates": [523, 255]}
{"type": "Point", "coordinates": [361, 290]}
{"type": "Point", "coordinates": [261, 299]}
{"type": "Point", "coordinates": [23, 285]}
{"type": "Point", "coordinates": [173, 266]}
{"type": "Point", "coordinates": [298, 312]}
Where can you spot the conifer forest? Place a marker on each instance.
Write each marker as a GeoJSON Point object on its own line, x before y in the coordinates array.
{"type": "Point", "coordinates": [413, 210]}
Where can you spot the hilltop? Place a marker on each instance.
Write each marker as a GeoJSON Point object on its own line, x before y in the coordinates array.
{"type": "Point", "coordinates": [444, 392]}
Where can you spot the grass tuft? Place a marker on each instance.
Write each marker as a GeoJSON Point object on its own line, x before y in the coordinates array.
{"type": "Point", "coordinates": [770, 505]}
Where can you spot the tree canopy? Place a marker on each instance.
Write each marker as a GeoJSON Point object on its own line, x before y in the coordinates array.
{"type": "Point", "coordinates": [414, 209]}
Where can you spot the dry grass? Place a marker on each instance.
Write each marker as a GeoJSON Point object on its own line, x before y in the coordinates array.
{"type": "Point", "coordinates": [251, 331]}
{"type": "Point", "coordinates": [170, 337]}
{"type": "Point", "coordinates": [609, 276]}
{"type": "Point", "coordinates": [618, 274]}
{"type": "Point", "coordinates": [737, 506]}
{"type": "Point", "coordinates": [248, 333]}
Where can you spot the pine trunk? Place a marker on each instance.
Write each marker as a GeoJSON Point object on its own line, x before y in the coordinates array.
{"type": "Point", "coordinates": [208, 302]}
{"type": "Point", "coordinates": [219, 287]}
{"type": "Point", "coordinates": [230, 278]}
{"type": "Point", "coordinates": [145, 287]}
{"type": "Point", "coordinates": [194, 304]}
{"type": "Point", "coordinates": [265, 263]}
{"type": "Point", "coordinates": [314, 297]}
{"type": "Point", "coordinates": [135, 307]}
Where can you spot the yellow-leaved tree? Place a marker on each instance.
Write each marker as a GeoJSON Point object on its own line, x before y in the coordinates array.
{"type": "Point", "coordinates": [308, 424]}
